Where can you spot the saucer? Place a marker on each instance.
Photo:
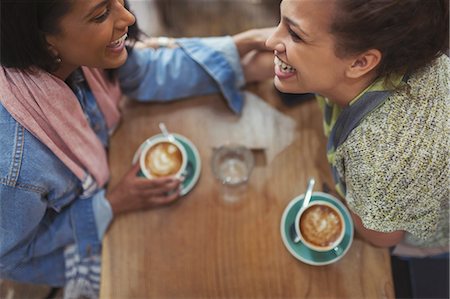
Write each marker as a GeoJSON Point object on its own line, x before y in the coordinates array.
{"type": "Point", "coordinates": [299, 250]}
{"type": "Point", "coordinates": [193, 166]}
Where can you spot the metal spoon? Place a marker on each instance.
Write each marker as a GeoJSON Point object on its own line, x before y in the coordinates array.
{"type": "Point", "coordinates": [293, 234]}
{"type": "Point", "coordinates": [338, 250]}
{"type": "Point", "coordinates": [166, 132]}
{"type": "Point", "coordinates": [305, 203]}
{"type": "Point", "coordinates": [171, 138]}
{"type": "Point", "coordinates": [309, 189]}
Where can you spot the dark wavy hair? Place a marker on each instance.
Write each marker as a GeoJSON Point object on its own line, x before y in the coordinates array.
{"type": "Point", "coordinates": [409, 33]}
{"type": "Point", "coordinates": [23, 25]}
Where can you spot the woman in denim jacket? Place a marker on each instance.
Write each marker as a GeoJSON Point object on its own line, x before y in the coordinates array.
{"type": "Point", "coordinates": [57, 108]}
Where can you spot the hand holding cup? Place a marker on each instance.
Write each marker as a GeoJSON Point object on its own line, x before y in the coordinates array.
{"type": "Point", "coordinates": [135, 193]}
{"type": "Point", "coordinates": [163, 157]}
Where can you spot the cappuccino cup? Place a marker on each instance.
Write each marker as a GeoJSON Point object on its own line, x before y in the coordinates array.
{"type": "Point", "coordinates": [320, 226]}
{"type": "Point", "coordinates": [161, 157]}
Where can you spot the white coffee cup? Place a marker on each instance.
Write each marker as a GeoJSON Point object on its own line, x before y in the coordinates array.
{"type": "Point", "coordinates": [320, 226]}
{"type": "Point", "coordinates": [161, 157]}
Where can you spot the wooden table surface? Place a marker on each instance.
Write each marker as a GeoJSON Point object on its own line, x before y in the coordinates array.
{"type": "Point", "coordinates": [207, 245]}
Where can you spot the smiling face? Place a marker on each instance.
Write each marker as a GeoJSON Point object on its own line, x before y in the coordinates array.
{"type": "Point", "coordinates": [305, 59]}
{"type": "Point", "coordinates": [92, 34]}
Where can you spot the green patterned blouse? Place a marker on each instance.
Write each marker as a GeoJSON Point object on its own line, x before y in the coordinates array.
{"type": "Point", "coordinates": [395, 162]}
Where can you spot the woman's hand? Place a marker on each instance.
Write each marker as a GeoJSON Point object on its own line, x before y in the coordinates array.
{"type": "Point", "coordinates": [258, 66]}
{"type": "Point", "coordinates": [135, 193]}
{"type": "Point", "coordinates": [253, 39]}
{"type": "Point", "coordinates": [256, 58]}
{"type": "Point", "coordinates": [156, 42]}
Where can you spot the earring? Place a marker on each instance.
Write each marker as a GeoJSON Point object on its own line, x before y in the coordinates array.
{"type": "Point", "coordinates": [58, 60]}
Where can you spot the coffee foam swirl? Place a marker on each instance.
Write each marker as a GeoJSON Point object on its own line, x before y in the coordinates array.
{"type": "Point", "coordinates": [320, 225]}
{"type": "Point", "coordinates": [163, 159]}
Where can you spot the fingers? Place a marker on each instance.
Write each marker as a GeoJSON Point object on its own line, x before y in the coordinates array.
{"type": "Point", "coordinates": [145, 187]}
{"type": "Point", "coordinates": [161, 189]}
{"type": "Point", "coordinates": [135, 168]}
{"type": "Point", "coordinates": [258, 66]}
{"type": "Point", "coordinates": [261, 36]}
{"type": "Point", "coordinates": [145, 184]}
{"type": "Point", "coordinates": [253, 39]}
{"type": "Point", "coordinates": [157, 42]}
{"type": "Point", "coordinates": [162, 199]}
{"type": "Point", "coordinates": [135, 193]}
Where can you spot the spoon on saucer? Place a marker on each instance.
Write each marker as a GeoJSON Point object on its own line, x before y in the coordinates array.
{"type": "Point", "coordinates": [338, 250]}
{"type": "Point", "coordinates": [168, 135]}
{"type": "Point", "coordinates": [305, 203]}
{"type": "Point", "coordinates": [166, 132]}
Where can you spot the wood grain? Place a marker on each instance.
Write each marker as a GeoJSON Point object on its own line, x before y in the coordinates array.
{"type": "Point", "coordinates": [204, 246]}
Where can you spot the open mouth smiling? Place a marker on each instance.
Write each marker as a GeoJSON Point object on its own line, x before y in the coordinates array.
{"type": "Point", "coordinates": [119, 42]}
{"type": "Point", "coordinates": [283, 66]}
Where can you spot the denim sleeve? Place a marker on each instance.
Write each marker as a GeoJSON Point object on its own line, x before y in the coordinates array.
{"type": "Point", "coordinates": [198, 67]}
{"type": "Point", "coordinates": [227, 47]}
{"type": "Point", "coordinates": [33, 237]}
{"type": "Point", "coordinates": [102, 212]}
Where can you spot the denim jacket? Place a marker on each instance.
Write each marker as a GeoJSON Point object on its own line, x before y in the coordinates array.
{"type": "Point", "coordinates": [41, 211]}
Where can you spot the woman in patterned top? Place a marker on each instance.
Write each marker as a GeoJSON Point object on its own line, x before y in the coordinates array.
{"type": "Point", "coordinates": [383, 78]}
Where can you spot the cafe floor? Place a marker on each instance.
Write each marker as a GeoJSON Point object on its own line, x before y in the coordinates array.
{"type": "Point", "coordinates": [421, 278]}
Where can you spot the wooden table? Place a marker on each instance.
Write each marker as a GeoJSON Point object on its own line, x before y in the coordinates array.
{"type": "Point", "coordinates": [205, 246]}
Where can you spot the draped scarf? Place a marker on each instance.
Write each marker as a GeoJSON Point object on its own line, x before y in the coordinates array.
{"type": "Point", "coordinates": [47, 107]}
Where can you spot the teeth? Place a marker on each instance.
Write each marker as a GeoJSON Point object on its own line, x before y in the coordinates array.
{"type": "Point", "coordinates": [284, 67]}
{"type": "Point", "coordinates": [119, 41]}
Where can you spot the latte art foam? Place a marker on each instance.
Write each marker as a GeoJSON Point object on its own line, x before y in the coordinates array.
{"type": "Point", "coordinates": [163, 159]}
{"type": "Point", "coordinates": [320, 225]}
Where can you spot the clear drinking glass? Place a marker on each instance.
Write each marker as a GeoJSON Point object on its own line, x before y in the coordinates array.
{"type": "Point", "coordinates": [232, 164]}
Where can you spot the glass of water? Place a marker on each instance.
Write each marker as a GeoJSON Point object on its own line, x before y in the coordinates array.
{"type": "Point", "coordinates": [232, 164]}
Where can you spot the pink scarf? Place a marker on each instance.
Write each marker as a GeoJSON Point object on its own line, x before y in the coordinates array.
{"type": "Point", "coordinates": [48, 108]}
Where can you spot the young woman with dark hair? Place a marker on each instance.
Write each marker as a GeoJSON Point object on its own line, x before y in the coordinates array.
{"type": "Point", "coordinates": [57, 108]}
{"type": "Point", "coordinates": [382, 76]}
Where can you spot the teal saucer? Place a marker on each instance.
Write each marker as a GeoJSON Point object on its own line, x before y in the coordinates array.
{"type": "Point", "coordinates": [299, 250]}
{"type": "Point", "coordinates": [193, 166]}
